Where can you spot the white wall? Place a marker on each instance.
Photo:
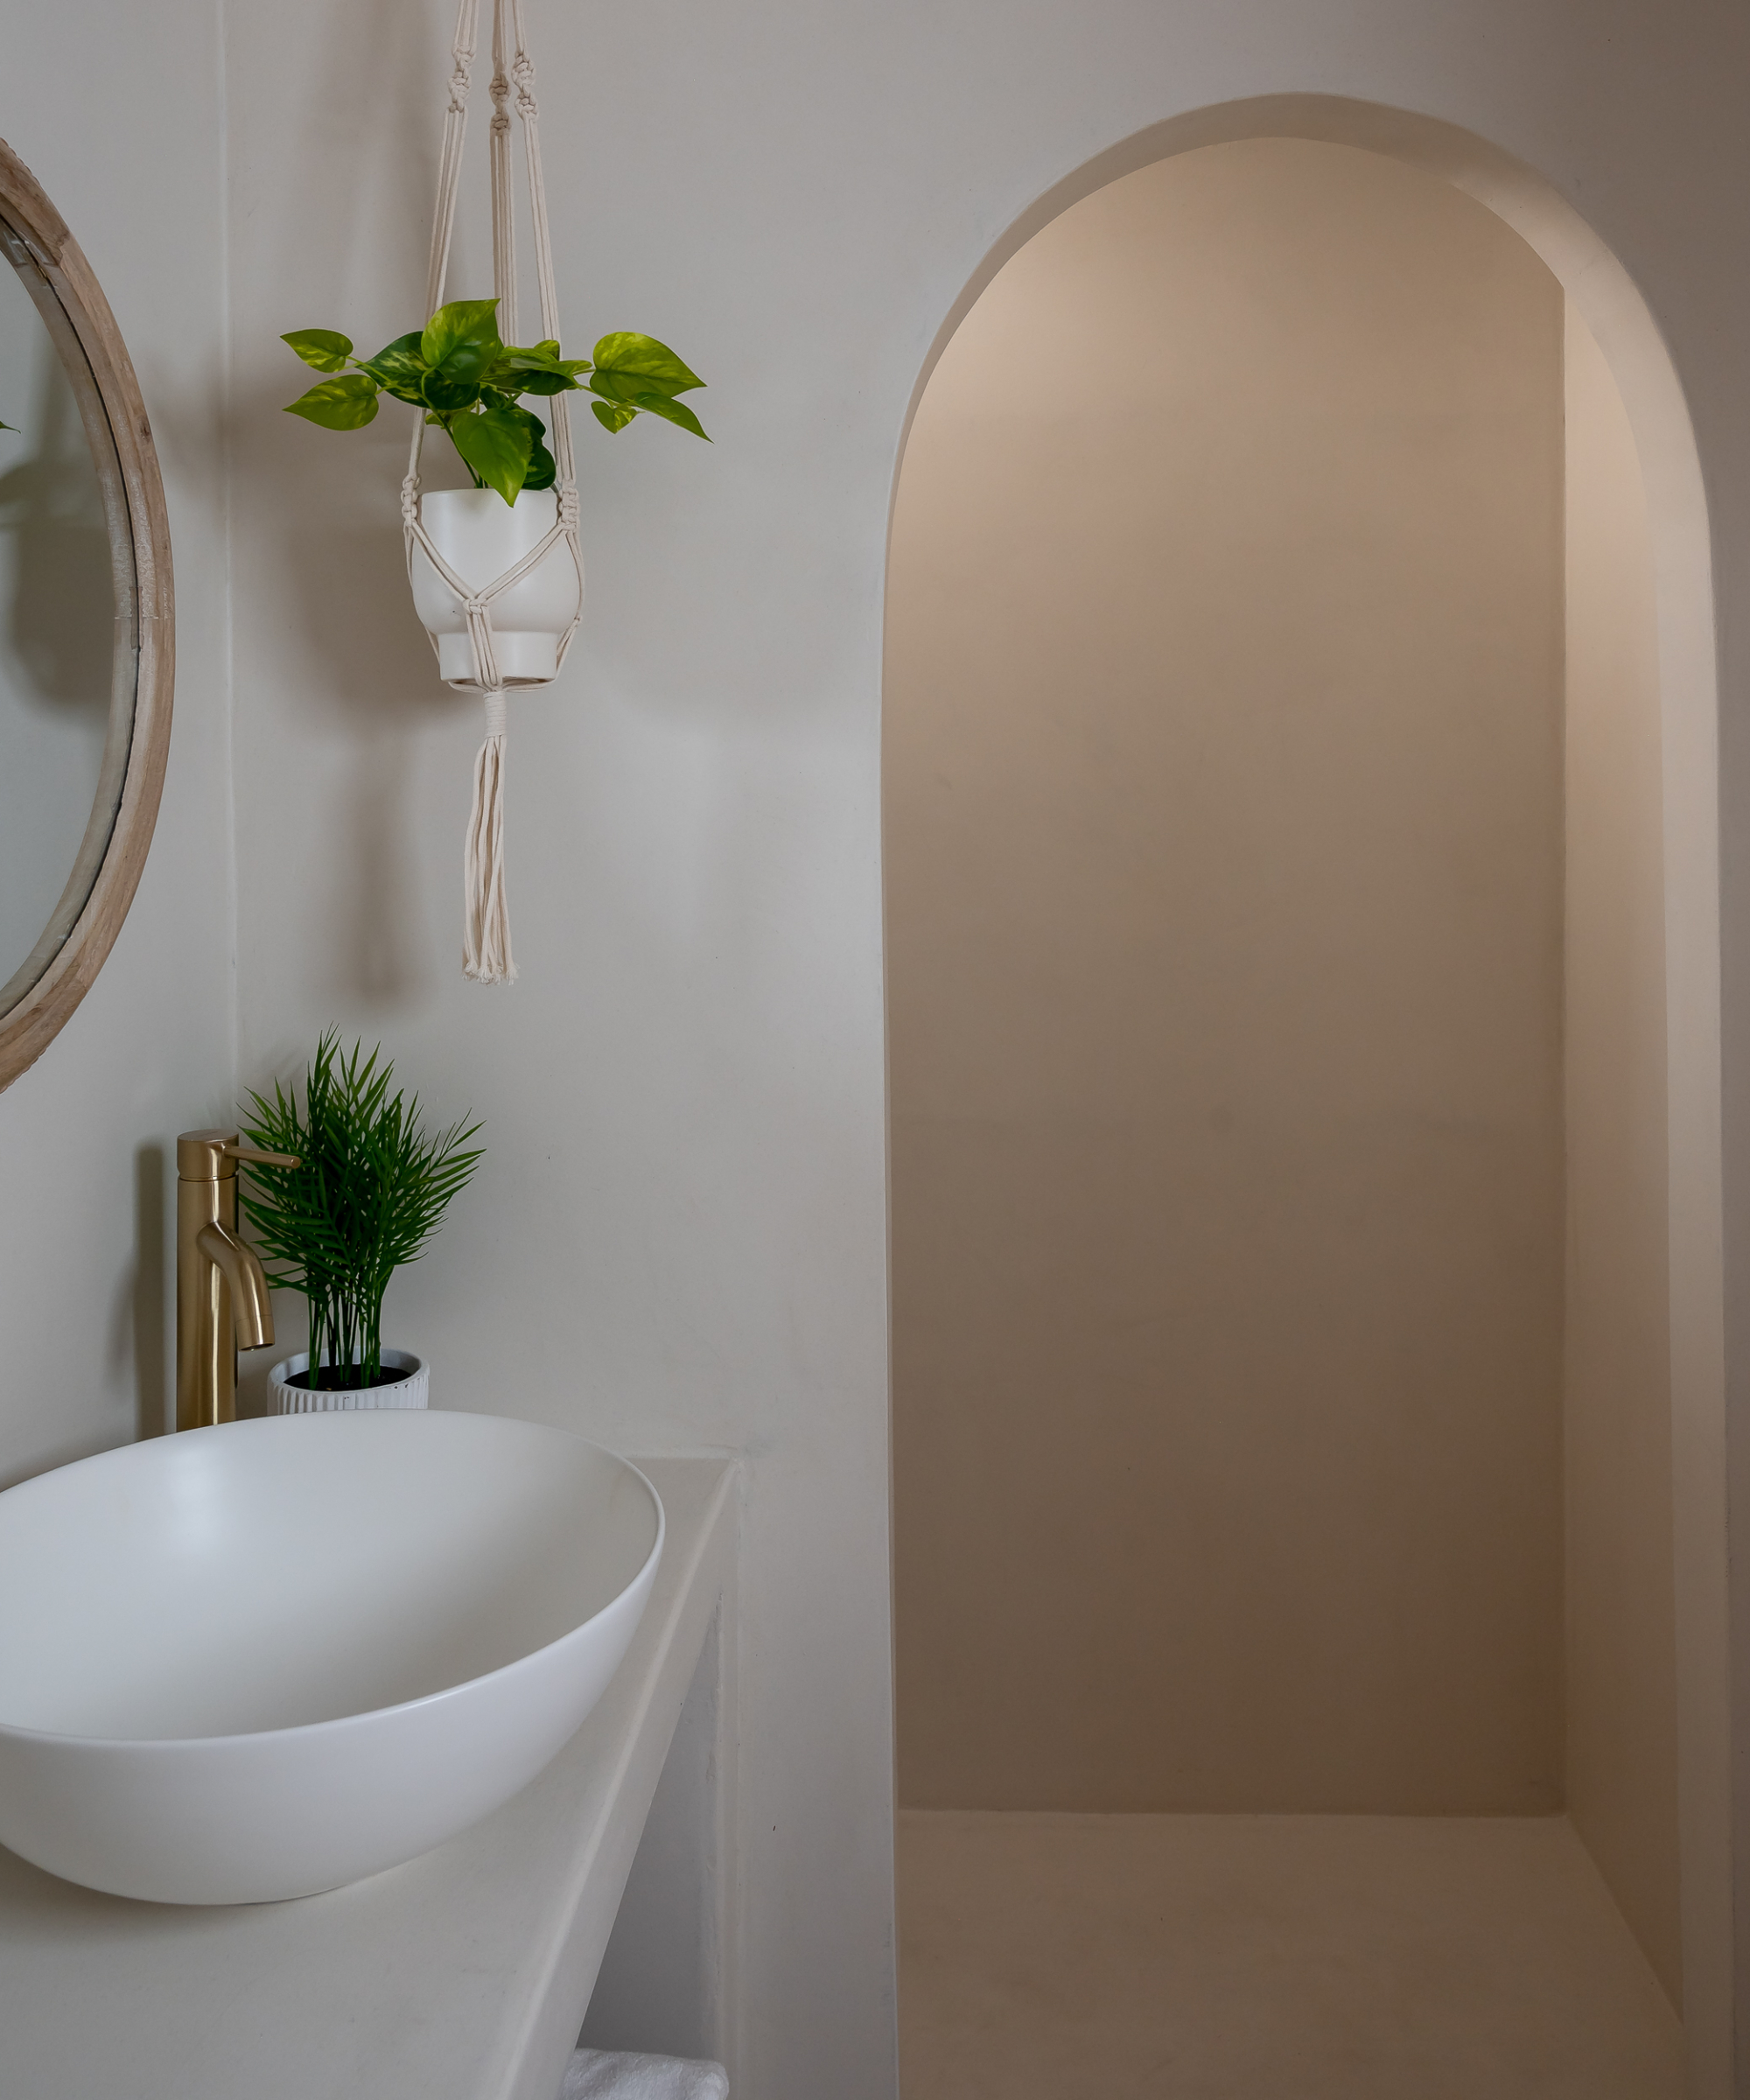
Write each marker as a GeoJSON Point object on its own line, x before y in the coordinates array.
{"type": "Point", "coordinates": [680, 1235]}
{"type": "Point", "coordinates": [677, 1238]}
{"type": "Point", "coordinates": [117, 113]}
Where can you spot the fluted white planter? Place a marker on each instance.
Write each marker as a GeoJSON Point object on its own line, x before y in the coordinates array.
{"type": "Point", "coordinates": [413, 1391]}
{"type": "Point", "coordinates": [481, 536]}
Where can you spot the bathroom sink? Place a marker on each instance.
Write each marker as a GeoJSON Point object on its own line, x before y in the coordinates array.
{"type": "Point", "coordinates": [261, 1659]}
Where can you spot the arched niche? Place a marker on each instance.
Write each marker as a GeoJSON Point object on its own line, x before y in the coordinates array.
{"type": "Point", "coordinates": [1624, 330]}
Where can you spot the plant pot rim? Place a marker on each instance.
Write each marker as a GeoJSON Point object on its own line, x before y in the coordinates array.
{"type": "Point", "coordinates": [443, 495]}
{"type": "Point", "coordinates": [399, 1359]}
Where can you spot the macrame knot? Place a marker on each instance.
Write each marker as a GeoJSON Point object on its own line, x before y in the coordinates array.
{"type": "Point", "coordinates": [567, 504]}
{"type": "Point", "coordinates": [523, 73]}
{"type": "Point", "coordinates": [410, 501]}
{"type": "Point", "coordinates": [497, 713]}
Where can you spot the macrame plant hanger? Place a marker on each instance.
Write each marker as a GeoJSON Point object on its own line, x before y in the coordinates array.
{"type": "Point", "coordinates": [486, 948]}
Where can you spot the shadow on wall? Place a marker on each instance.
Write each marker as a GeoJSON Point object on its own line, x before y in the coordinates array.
{"type": "Point", "coordinates": [139, 1331]}
{"type": "Point", "coordinates": [59, 625]}
{"type": "Point", "coordinates": [139, 1334]}
{"type": "Point", "coordinates": [331, 569]}
{"type": "Point", "coordinates": [150, 1284]}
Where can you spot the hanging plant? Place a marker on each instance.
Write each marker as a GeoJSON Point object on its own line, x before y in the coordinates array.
{"type": "Point", "coordinates": [470, 385]}
{"type": "Point", "coordinates": [497, 570]}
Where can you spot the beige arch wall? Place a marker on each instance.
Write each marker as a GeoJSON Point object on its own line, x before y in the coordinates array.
{"type": "Point", "coordinates": [1223, 839]}
{"type": "Point", "coordinates": [1678, 531]}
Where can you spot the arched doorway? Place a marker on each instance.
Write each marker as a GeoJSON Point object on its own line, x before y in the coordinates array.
{"type": "Point", "coordinates": [1676, 523]}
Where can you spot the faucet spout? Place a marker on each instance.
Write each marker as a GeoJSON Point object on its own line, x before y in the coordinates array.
{"type": "Point", "coordinates": [251, 1308]}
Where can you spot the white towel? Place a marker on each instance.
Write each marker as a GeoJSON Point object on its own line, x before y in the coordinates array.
{"type": "Point", "coordinates": [608, 2075]}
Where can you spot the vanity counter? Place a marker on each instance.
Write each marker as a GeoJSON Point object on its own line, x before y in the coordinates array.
{"type": "Point", "coordinates": [463, 1975]}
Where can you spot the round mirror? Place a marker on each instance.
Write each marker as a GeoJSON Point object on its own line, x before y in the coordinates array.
{"type": "Point", "coordinates": [85, 625]}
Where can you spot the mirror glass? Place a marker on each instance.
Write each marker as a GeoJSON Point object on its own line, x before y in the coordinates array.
{"type": "Point", "coordinates": [69, 652]}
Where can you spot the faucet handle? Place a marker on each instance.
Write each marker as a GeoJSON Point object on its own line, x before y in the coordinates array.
{"type": "Point", "coordinates": [250, 1157]}
{"type": "Point", "coordinates": [209, 1156]}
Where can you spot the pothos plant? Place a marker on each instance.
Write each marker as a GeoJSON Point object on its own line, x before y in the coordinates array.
{"type": "Point", "coordinates": [471, 385]}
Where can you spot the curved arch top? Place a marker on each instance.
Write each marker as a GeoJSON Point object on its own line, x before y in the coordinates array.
{"type": "Point", "coordinates": [1601, 289]}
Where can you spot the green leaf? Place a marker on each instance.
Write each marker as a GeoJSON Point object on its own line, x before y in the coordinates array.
{"type": "Point", "coordinates": [539, 370]}
{"type": "Point", "coordinates": [630, 394]}
{"type": "Point", "coordinates": [618, 386]}
{"type": "Point", "coordinates": [544, 356]}
{"type": "Point", "coordinates": [398, 367]}
{"type": "Point", "coordinates": [320, 348]}
{"type": "Point", "coordinates": [460, 345]}
{"type": "Point", "coordinates": [463, 321]}
{"type": "Point", "coordinates": [673, 411]}
{"type": "Point", "coordinates": [541, 471]}
{"type": "Point", "coordinates": [495, 445]}
{"type": "Point", "coordinates": [12, 427]}
{"type": "Point", "coordinates": [642, 357]}
{"type": "Point", "coordinates": [347, 403]}
{"type": "Point", "coordinates": [533, 379]}
{"type": "Point", "coordinates": [613, 415]}
{"type": "Point", "coordinates": [459, 380]}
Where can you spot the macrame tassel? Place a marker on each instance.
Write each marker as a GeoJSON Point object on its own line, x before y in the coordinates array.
{"type": "Point", "coordinates": [485, 930]}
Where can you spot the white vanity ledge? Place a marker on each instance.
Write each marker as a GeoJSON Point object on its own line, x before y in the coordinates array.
{"type": "Point", "coordinates": [464, 1975]}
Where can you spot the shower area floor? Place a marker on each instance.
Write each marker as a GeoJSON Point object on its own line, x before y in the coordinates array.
{"type": "Point", "coordinates": [1056, 1957]}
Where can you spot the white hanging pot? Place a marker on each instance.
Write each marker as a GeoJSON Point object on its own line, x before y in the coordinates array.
{"type": "Point", "coordinates": [482, 537]}
{"type": "Point", "coordinates": [413, 1389]}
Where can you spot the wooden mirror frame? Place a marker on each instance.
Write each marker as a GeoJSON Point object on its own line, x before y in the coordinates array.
{"type": "Point", "coordinates": [83, 931]}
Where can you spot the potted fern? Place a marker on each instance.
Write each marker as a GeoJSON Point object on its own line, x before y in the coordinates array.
{"type": "Point", "coordinates": [369, 1192]}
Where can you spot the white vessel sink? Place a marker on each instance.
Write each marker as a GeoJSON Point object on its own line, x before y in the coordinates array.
{"type": "Point", "coordinates": [254, 1661]}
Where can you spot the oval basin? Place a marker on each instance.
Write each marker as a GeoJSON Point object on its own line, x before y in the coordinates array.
{"type": "Point", "coordinates": [254, 1661]}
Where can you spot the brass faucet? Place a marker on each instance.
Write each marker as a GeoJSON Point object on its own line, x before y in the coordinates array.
{"type": "Point", "coordinates": [221, 1293]}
